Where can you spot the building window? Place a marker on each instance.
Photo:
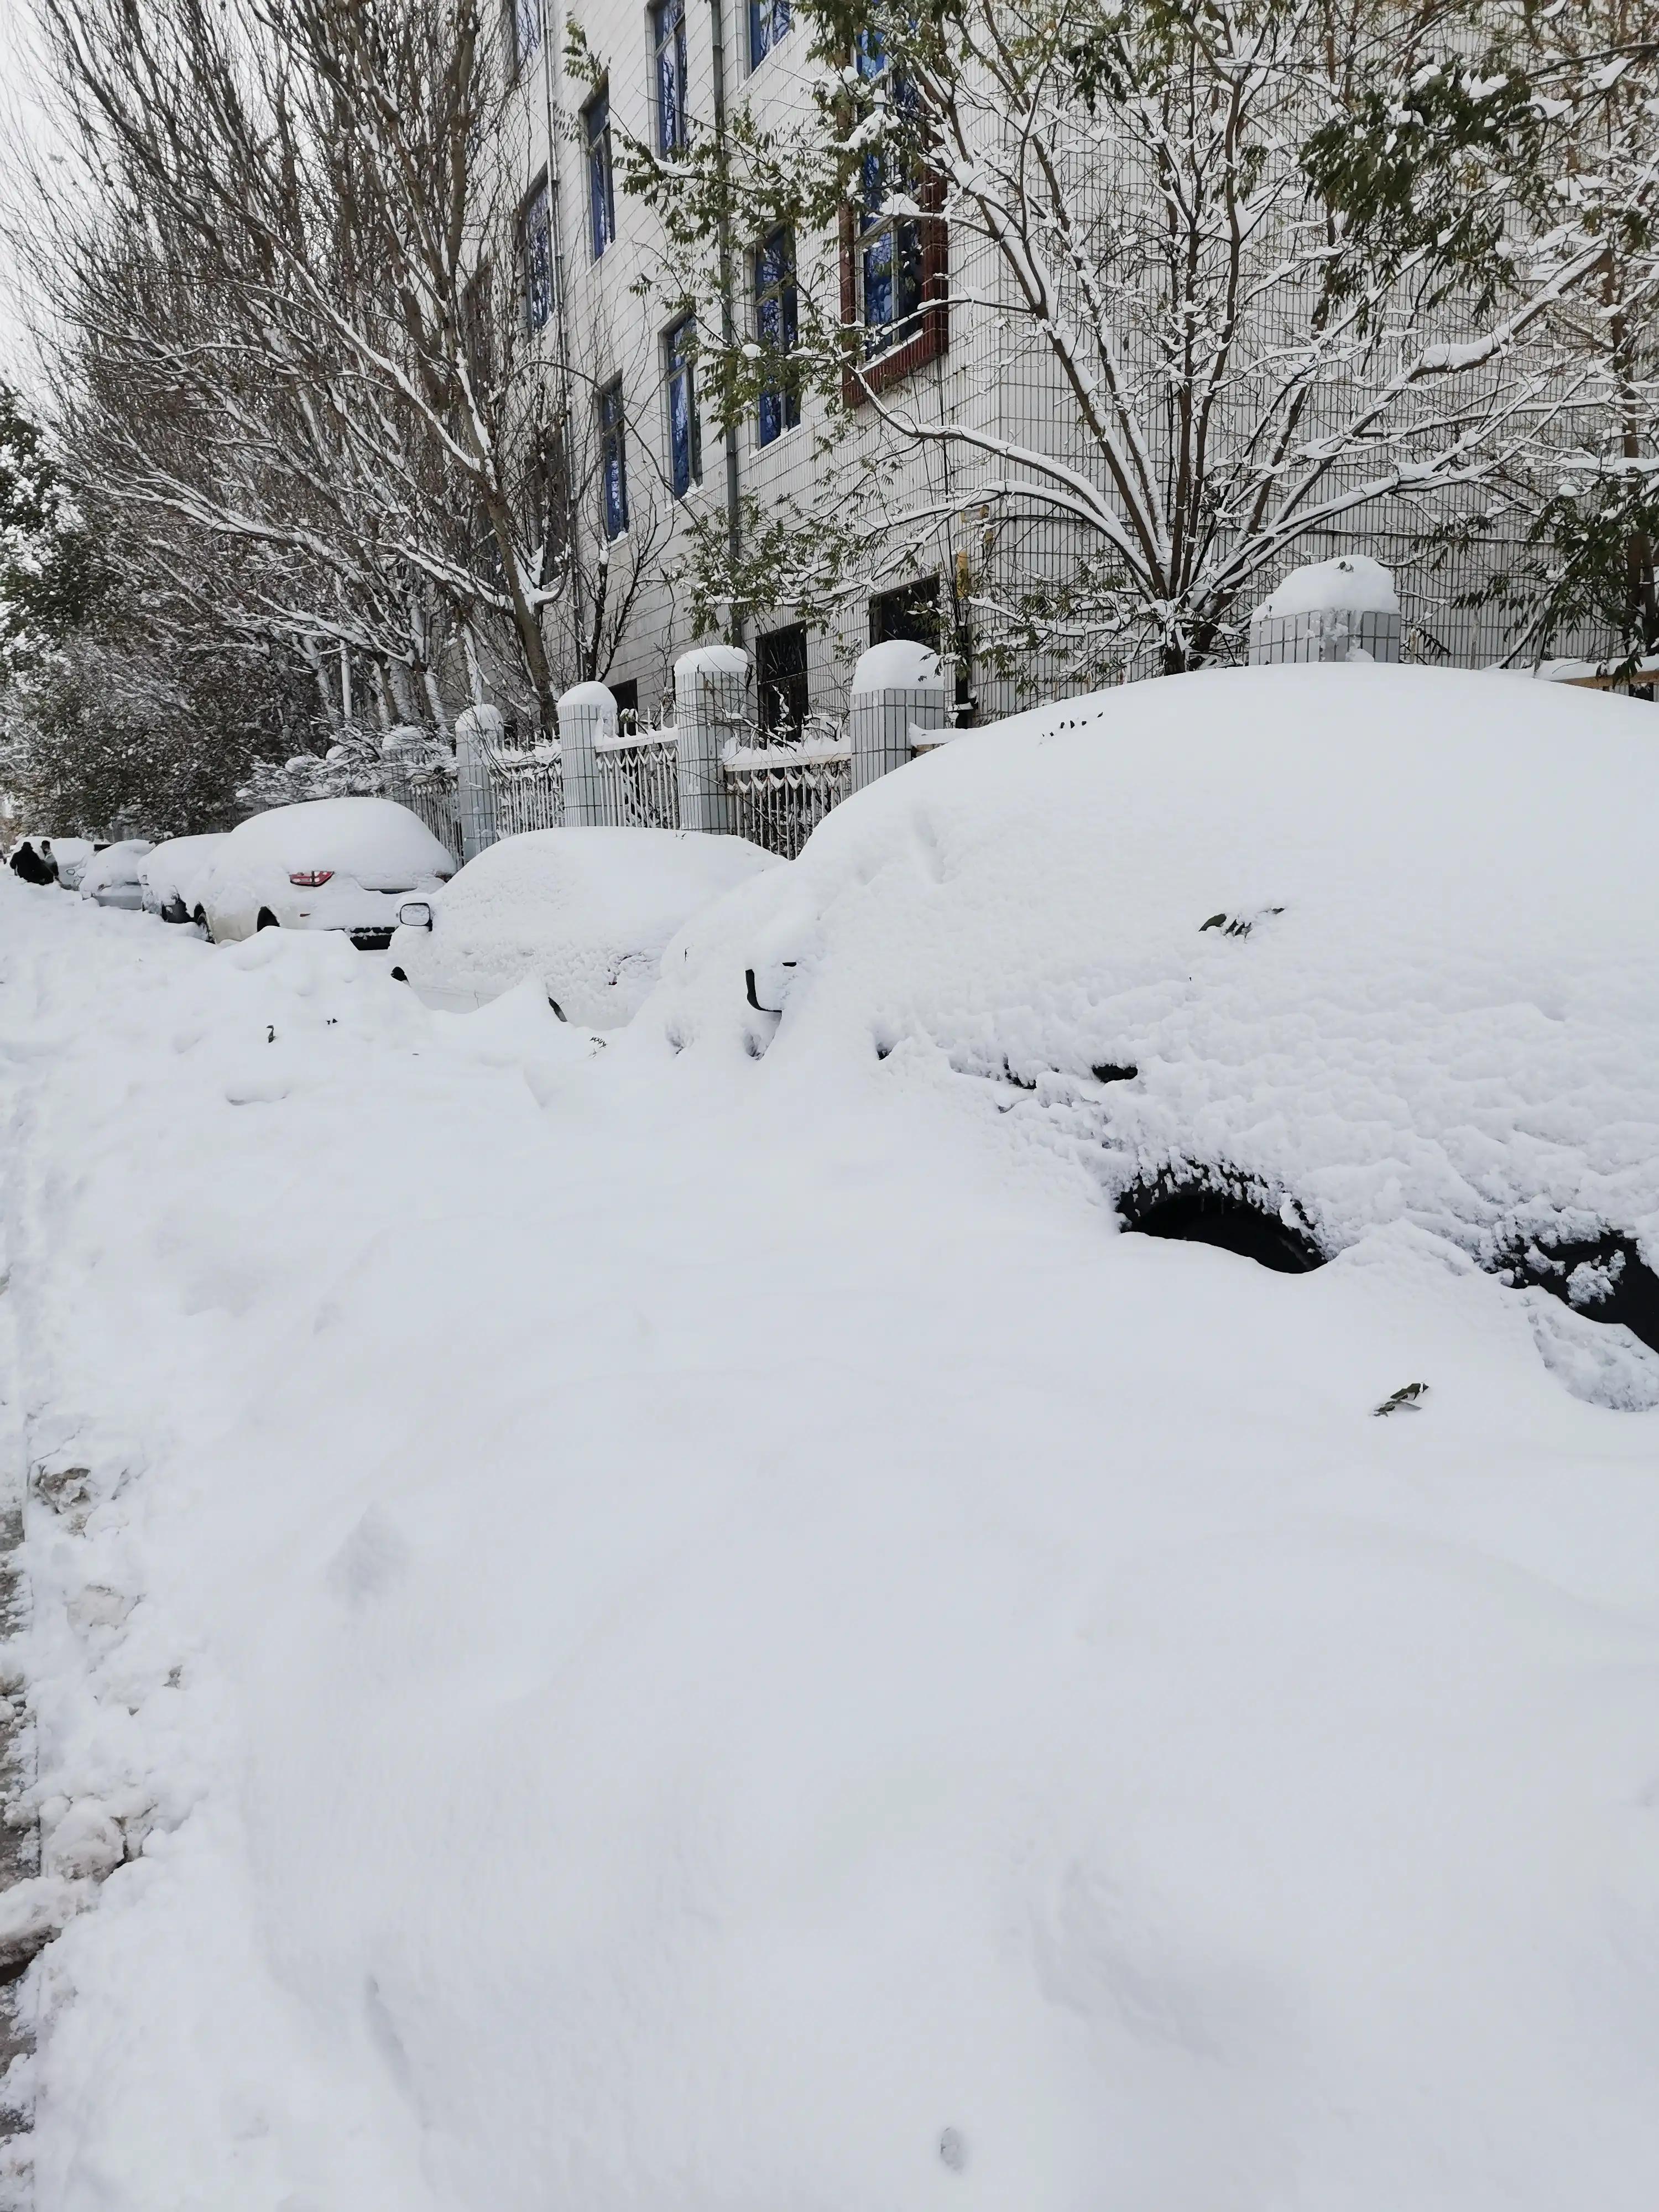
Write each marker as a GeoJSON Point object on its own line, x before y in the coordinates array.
{"type": "Point", "coordinates": [893, 244]}
{"type": "Point", "coordinates": [478, 324]}
{"type": "Point", "coordinates": [613, 460]}
{"type": "Point", "coordinates": [627, 696]}
{"type": "Point", "coordinates": [912, 613]}
{"type": "Point", "coordinates": [524, 32]}
{"type": "Point", "coordinates": [768, 20]}
{"type": "Point", "coordinates": [601, 189]}
{"type": "Point", "coordinates": [684, 432]}
{"type": "Point", "coordinates": [668, 38]}
{"type": "Point", "coordinates": [546, 500]}
{"type": "Point", "coordinates": [889, 246]}
{"type": "Point", "coordinates": [780, 670]}
{"type": "Point", "coordinates": [536, 256]}
{"type": "Point", "coordinates": [777, 325]}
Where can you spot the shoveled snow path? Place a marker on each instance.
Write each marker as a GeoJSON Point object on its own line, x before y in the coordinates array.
{"type": "Point", "coordinates": [671, 1637]}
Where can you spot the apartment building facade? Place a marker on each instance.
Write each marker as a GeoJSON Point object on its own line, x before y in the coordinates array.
{"type": "Point", "coordinates": [600, 292]}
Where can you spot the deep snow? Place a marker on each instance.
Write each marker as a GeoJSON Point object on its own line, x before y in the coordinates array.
{"type": "Point", "coordinates": [664, 1628]}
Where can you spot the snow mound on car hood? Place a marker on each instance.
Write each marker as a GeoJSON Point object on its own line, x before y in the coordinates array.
{"type": "Point", "coordinates": [587, 911]}
{"type": "Point", "coordinates": [1380, 941]}
{"type": "Point", "coordinates": [377, 842]}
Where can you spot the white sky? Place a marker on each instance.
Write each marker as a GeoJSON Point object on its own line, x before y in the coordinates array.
{"type": "Point", "coordinates": [22, 120]}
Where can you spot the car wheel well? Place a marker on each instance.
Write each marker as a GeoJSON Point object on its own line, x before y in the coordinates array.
{"type": "Point", "coordinates": [1231, 1212]}
{"type": "Point", "coordinates": [267, 920]}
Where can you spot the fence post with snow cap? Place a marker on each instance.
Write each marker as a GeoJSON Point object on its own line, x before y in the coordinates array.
{"type": "Point", "coordinates": [1342, 610]}
{"type": "Point", "coordinates": [896, 687]}
{"type": "Point", "coordinates": [475, 728]}
{"type": "Point", "coordinates": [711, 708]}
{"type": "Point", "coordinates": [587, 713]}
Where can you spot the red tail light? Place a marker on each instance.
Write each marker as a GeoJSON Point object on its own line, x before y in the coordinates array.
{"type": "Point", "coordinates": [309, 879]}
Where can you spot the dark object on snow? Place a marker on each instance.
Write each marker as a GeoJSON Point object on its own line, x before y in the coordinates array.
{"type": "Point", "coordinates": [1234, 1215]}
{"type": "Point", "coordinates": [752, 996]}
{"type": "Point", "coordinates": [1238, 925]}
{"type": "Point", "coordinates": [34, 865]}
{"type": "Point", "coordinates": [1111, 1071]}
{"type": "Point", "coordinates": [1405, 1399]}
{"type": "Point", "coordinates": [1604, 1278]}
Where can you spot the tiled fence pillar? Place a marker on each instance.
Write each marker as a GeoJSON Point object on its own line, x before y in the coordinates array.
{"type": "Point", "coordinates": [1344, 609]}
{"type": "Point", "coordinates": [895, 687]}
{"type": "Point", "coordinates": [711, 704]}
{"type": "Point", "coordinates": [588, 712]}
{"type": "Point", "coordinates": [474, 728]}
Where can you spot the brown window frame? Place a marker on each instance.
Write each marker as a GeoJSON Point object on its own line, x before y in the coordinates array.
{"type": "Point", "coordinates": [931, 338]}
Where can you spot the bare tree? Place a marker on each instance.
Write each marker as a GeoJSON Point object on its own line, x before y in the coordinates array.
{"type": "Point", "coordinates": [304, 317]}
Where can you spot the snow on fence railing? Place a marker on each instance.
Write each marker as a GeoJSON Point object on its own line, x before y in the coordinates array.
{"type": "Point", "coordinates": [783, 790]}
{"type": "Point", "coordinates": [638, 779]}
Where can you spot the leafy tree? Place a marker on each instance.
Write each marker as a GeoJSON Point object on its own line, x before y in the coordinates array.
{"type": "Point", "coordinates": [51, 573]}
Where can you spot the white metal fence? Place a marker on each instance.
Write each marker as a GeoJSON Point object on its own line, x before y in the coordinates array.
{"type": "Point", "coordinates": [430, 792]}
{"type": "Point", "coordinates": [639, 779]}
{"type": "Point", "coordinates": [711, 769]}
{"type": "Point", "coordinates": [527, 789]}
{"type": "Point", "coordinates": [782, 792]}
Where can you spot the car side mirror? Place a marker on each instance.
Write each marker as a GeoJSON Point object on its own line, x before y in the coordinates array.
{"type": "Point", "coordinates": [416, 914]}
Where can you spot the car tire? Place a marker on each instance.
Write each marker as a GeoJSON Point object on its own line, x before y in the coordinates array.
{"type": "Point", "coordinates": [202, 923]}
{"type": "Point", "coordinates": [267, 920]}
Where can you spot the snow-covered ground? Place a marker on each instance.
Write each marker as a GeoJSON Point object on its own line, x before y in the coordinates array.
{"type": "Point", "coordinates": [663, 1628]}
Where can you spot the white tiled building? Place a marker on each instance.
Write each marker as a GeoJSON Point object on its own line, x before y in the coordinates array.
{"type": "Point", "coordinates": [598, 287]}
{"type": "Point", "coordinates": [603, 300]}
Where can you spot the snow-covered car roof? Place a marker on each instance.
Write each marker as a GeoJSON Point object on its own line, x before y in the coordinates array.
{"type": "Point", "coordinates": [587, 911]}
{"type": "Point", "coordinates": [1364, 950]}
{"type": "Point", "coordinates": [116, 864]}
{"type": "Point", "coordinates": [375, 842]}
{"type": "Point", "coordinates": [173, 868]}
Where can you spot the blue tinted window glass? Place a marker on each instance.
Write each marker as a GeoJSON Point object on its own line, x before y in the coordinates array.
{"type": "Point", "coordinates": [601, 190]}
{"type": "Point", "coordinates": [536, 250]}
{"type": "Point", "coordinates": [613, 461]}
{"type": "Point", "coordinates": [768, 21]}
{"type": "Point", "coordinates": [777, 326]}
{"type": "Point", "coordinates": [668, 37]}
{"type": "Point", "coordinates": [685, 455]}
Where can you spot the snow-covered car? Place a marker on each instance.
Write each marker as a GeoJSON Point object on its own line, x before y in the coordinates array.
{"type": "Point", "coordinates": [340, 864]}
{"type": "Point", "coordinates": [168, 876]}
{"type": "Point", "coordinates": [111, 877]}
{"type": "Point", "coordinates": [588, 912]}
{"type": "Point", "coordinates": [72, 856]}
{"type": "Point", "coordinates": [1292, 960]}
